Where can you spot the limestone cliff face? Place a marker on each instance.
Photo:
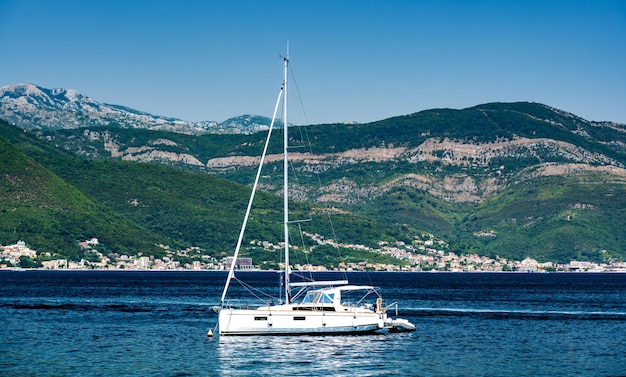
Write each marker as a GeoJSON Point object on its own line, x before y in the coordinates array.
{"type": "Point", "coordinates": [468, 184]}
{"type": "Point", "coordinates": [106, 144]}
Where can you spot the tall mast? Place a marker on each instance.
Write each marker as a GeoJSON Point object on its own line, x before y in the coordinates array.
{"type": "Point", "coordinates": [286, 180]}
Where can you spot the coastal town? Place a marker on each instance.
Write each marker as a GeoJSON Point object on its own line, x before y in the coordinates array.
{"type": "Point", "coordinates": [430, 254]}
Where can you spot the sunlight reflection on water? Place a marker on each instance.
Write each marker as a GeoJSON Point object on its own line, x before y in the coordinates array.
{"type": "Point", "coordinates": [320, 355]}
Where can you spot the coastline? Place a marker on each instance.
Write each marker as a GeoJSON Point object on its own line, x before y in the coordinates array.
{"type": "Point", "coordinates": [101, 270]}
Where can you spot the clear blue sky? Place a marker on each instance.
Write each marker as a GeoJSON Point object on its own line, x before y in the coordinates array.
{"type": "Point", "coordinates": [352, 60]}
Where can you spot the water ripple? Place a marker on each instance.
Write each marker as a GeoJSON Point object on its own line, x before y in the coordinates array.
{"type": "Point", "coordinates": [515, 314]}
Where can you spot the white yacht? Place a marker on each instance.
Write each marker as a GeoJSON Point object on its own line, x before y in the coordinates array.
{"type": "Point", "coordinates": [311, 307]}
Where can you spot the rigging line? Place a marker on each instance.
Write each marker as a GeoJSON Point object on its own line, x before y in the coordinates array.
{"type": "Point", "coordinates": [295, 84]}
{"type": "Point", "coordinates": [293, 253]}
{"type": "Point", "coordinates": [298, 124]}
{"type": "Point", "coordinates": [281, 285]}
{"type": "Point", "coordinates": [297, 185]}
{"type": "Point", "coordinates": [307, 141]}
{"type": "Point", "coordinates": [301, 103]}
{"type": "Point", "coordinates": [303, 137]}
{"type": "Point", "coordinates": [257, 293]}
{"type": "Point", "coordinates": [231, 272]}
{"type": "Point", "coordinates": [319, 180]}
{"type": "Point", "coordinates": [306, 255]}
{"type": "Point", "coordinates": [319, 185]}
{"type": "Point", "coordinates": [302, 241]}
{"type": "Point", "coordinates": [296, 177]}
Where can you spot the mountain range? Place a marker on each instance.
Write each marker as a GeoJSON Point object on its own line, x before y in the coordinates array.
{"type": "Point", "coordinates": [31, 106]}
{"type": "Point", "coordinates": [514, 180]}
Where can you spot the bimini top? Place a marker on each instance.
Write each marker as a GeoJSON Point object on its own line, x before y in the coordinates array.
{"type": "Point", "coordinates": [354, 287]}
{"type": "Point", "coordinates": [333, 284]}
{"type": "Point", "coordinates": [333, 295]}
{"type": "Point", "coordinates": [327, 283]}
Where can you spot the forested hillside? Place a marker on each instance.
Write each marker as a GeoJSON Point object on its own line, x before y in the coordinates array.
{"type": "Point", "coordinates": [504, 179]}
{"type": "Point", "coordinates": [133, 207]}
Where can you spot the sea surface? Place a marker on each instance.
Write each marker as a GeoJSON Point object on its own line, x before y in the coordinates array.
{"type": "Point", "coordinates": [104, 323]}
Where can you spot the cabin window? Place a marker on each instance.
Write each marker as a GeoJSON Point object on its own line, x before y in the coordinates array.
{"type": "Point", "coordinates": [319, 298]}
{"type": "Point", "coordinates": [260, 318]}
{"type": "Point", "coordinates": [311, 297]}
{"type": "Point", "coordinates": [299, 318]}
{"type": "Point", "coordinates": [308, 298]}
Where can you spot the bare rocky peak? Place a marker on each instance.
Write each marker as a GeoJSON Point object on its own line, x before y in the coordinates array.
{"type": "Point", "coordinates": [32, 107]}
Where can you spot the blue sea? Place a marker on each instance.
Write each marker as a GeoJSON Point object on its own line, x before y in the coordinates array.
{"type": "Point", "coordinates": [110, 323]}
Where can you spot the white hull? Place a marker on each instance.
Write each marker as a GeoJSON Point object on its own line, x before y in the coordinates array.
{"type": "Point", "coordinates": [288, 320]}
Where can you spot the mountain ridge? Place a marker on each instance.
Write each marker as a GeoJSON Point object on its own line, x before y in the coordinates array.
{"type": "Point", "coordinates": [32, 106]}
{"type": "Point", "coordinates": [484, 148]}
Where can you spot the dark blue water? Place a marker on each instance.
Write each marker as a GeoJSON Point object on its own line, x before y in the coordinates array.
{"type": "Point", "coordinates": [91, 323]}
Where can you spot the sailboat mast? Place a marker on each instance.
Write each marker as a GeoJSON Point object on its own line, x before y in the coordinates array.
{"type": "Point", "coordinates": [286, 181]}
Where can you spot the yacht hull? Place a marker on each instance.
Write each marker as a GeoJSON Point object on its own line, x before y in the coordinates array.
{"type": "Point", "coordinates": [297, 322]}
